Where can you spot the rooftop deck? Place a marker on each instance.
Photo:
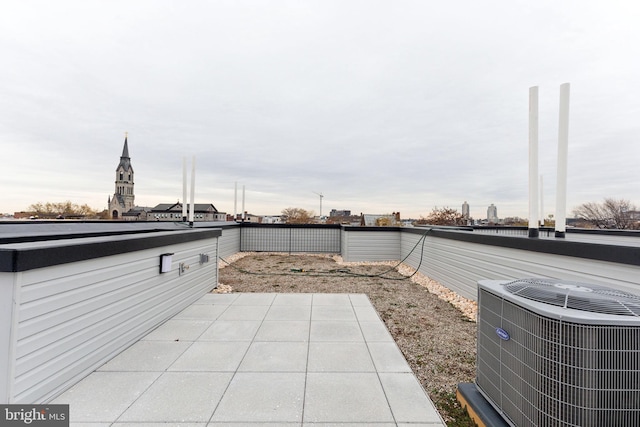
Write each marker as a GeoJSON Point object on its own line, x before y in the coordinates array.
{"type": "Point", "coordinates": [259, 359]}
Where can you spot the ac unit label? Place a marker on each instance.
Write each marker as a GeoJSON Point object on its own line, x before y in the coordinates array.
{"type": "Point", "coordinates": [504, 335]}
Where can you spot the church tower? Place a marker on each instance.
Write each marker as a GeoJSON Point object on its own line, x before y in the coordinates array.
{"type": "Point", "coordinates": [123, 198]}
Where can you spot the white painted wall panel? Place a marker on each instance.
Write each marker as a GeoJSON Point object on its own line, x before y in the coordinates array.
{"type": "Point", "coordinates": [9, 282]}
{"type": "Point", "coordinates": [229, 242]}
{"type": "Point", "coordinates": [459, 265]}
{"type": "Point", "coordinates": [374, 245]}
{"type": "Point", "coordinates": [74, 317]}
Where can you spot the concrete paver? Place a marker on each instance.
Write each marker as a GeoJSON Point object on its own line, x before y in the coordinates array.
{"type": "Point", "coordinates": [304, 360]}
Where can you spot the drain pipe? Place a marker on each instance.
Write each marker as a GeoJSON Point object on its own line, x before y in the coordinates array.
{"type": "Point", "coordinates": [563, 148]}
{"type": "Point", "coordinates": [533, 162]}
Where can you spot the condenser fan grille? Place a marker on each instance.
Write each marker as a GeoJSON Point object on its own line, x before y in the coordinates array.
{"type": "Point", "coordinates": [577, 296]}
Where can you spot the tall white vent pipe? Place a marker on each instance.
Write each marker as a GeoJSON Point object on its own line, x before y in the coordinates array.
{"type": "Point", "coordinates": [184, 189]}
{"type": "Point", "coordinates": [533, 162]}
{"type": "Point", "coordinates": [243, 212]}
{"type": "Point", "coordinates": [541, 202]}
{"type": "Point", "coordinates": [235, 201]}
{"type": "Point", "coordinates": [563, 146]}
{"type": "Point", "coordinates": [193, 189]}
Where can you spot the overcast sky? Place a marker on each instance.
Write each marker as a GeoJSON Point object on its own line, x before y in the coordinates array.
{"type": "Point", "coordinates": [381, 106]}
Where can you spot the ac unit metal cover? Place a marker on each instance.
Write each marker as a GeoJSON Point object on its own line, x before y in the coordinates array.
{"type": "Point", "coordinates": [557, 353]}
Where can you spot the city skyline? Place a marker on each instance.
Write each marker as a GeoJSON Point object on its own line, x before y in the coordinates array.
{"type": "Point", "coordinates": [380, 107]}
{"type": "Point", "coordinates": [127, 191]}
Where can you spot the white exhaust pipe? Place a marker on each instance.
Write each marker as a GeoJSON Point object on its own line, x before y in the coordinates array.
{"type": "Point", "coordinates": [533, 162]}
{"type": "Point", "coordinates": [563, 148]}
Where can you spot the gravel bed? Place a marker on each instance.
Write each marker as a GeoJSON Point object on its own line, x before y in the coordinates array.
{"type": "Point", "coordinates": [433, 327]}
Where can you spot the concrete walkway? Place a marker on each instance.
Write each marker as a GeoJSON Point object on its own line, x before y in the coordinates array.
{"type": "Point", "coordinates": [259, 359]}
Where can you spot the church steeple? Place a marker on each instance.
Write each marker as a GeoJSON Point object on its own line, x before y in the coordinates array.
{"type": "Point", "coordinates": [125, 150]}
{"type": "Point", "coordinates": [123, 198]}
{"type": "Point", "coordinates": [125, 160]}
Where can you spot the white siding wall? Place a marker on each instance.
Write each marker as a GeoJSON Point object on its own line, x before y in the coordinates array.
{"type": "Point", "coordinates": [8, 284]}
{"type": "Point", "coordinates": [229, 241]}
{"type": "Point", "coordinates": [374, 245]}
{"type": "Point", "coordinates": [459, 265]}
{"type": "Point", "coordinates": [72, 318]}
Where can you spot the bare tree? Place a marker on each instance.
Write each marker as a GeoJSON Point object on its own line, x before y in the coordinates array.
{"type": "Point", "coordinates": [612, 213]}
{"type": "Point", "coordinates": [297, 216]}
{"type": "Point", "coordinates": [443, 216]}
{"type": "Point", "coordinates": [53, 209]}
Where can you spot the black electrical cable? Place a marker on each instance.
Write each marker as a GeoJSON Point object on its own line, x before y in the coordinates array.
{"type": "Point", "coordinates": [345, 272]}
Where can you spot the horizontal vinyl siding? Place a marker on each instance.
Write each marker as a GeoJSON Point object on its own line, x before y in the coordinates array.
{"type": "Point", "coordinates": [458, 265]}
{"type": "Point", "coordinates": [229, 242]}
{"type": "Point", "coordinates": [74, 317]}
{"type": "Point", "coordinates": [374, 245]}
{"type": "Point", "coordinates": [8, 283]}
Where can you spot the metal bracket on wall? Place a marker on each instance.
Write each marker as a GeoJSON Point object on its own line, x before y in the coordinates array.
{"type": "Point", "coordinates": [183, 267]}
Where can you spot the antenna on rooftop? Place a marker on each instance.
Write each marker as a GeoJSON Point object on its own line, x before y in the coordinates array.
{"type": "Point", "coordinates": [321, 196]}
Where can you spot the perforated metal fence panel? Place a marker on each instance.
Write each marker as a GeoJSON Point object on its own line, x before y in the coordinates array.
{"type": "Point", "coordinates": [322, 239]}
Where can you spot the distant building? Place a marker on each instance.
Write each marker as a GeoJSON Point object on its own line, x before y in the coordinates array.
{"type": "Point", "coordinates": [248, 218]}
{"type": "Point", "coordinates": [173, 212]}
{"type": "Point", "coordinates": [386, 220]}
{"type": "Point", "coordinates": [123, 199]}
{"type": "Point", "coordinates": [275, 219]}
{"type": "Point", "coordinates": [137, 213]}
{"type": "Point", "coordinates": [492, 213]}
{"type": "Point", "coordinates": [335, 212]}
{"type": "Point", "coordinates": [122, 204]}
{"type": "Point", "coordinates": [465, 210]}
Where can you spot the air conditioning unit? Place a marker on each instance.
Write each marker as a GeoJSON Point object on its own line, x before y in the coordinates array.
{"type": "Point", "coordinates": [559, 353]}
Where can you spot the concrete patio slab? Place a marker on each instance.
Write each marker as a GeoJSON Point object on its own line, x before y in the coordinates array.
{"type": "Point", "coordinates": [283, 330]}
{"type": "Point", "coordinates": [260, 397]}
{"type": "Point", "coordinates": [339, 357]}
{"type": "Point", "coordinates": [226, 330]}
{"type": "Point", "coordinates": [303, 360]}
{"type": "Point", "coordinates": [333, 312]}
{"type": "Point", "coordinates": [147, 356]}
{"type": "Point", "coordinates": [279, 356]}
{"type": "Point", "coordinates": [179, 397]}
{"type": "Point", "coordinates": [341, 331]}
{"type": "Point", "coordinates": [330, 397]}
{"type": "Point", "coordinates": [289, 312]}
